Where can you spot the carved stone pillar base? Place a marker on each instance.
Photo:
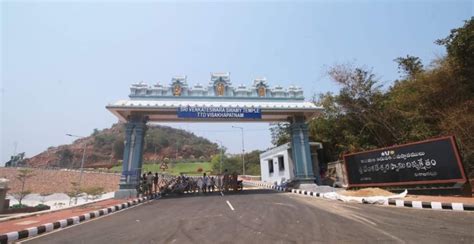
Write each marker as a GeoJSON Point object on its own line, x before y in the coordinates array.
{"type": "Point", "coordinates": [125, 193]}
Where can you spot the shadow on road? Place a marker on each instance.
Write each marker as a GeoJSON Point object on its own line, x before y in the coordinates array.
{"type": "Point", "coordinates": [244, 192]}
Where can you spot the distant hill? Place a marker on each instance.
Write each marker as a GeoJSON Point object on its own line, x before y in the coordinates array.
{"type": "Point", "coordinates": [104, 148]}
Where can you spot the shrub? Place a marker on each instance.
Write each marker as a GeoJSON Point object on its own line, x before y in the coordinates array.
{"type": "Point", "coordinates": [94, 192]}
{"type": "Point", "coordinates": [104, 139]}
{"type": "Point", "coordinates": [19, 206]}
{"type": "Point", "coordinates": [74, 193]}
{"type": "Point", "coordinates": [42, 206]}
{"type": "Point", "coordinates": [199, 170]}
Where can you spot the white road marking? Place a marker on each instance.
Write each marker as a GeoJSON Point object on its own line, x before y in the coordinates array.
{"type": "Point", "coordinates": [230, 206]}
{"type": "Point", "coordinates": [364, 219]}
{"type": "Point", "coordinates": [222, 193]}
{"type": "Point", "coordinates": [351, 206]}
{"type": "Point", "coordinates": [285, 204]}
{"type": "Point", "coordinates": [349, 214]}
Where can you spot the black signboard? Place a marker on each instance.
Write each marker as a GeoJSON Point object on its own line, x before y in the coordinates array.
{"type": "Point", "coordinates": [425, 162]}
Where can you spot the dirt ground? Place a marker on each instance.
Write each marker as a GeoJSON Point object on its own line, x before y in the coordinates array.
{"type": "Point", "coordinates": [367, 192]}
{"type": "Point", "coordinates": [57, 181]}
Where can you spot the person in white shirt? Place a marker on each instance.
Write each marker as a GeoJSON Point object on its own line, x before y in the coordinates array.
{"type": "Point", "coordinates": [199, 184]}
{"type": "Point", "coordinates": [211, 183]}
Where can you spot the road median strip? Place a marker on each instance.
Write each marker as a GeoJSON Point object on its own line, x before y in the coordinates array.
{"type": "Point", "coordinates": [44, 228]}
{"type": "Point", "coordinates": [454, 206]}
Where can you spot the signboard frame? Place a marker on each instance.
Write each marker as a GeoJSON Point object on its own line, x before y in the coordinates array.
{"type": "Point", "coordinates": [219, 113]}
{"type": "Point", "coordinates": [454, 146]}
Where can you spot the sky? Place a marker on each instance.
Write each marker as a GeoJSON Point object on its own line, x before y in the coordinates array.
{"type": "Point", "coordinates": [63, 62]}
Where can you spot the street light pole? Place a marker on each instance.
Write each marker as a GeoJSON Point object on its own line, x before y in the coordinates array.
{"type": "Point", "coordinates": [82, 162]}
{"type": "Point", "coordinates": [243, 148]}
{"type": "Point", "coordinates": [220, 169]}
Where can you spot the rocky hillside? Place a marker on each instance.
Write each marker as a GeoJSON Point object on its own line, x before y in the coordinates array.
{"type": "Point", "coordinates": [104, 148]}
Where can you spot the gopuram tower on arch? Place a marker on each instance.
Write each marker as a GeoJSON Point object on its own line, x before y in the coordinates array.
{"type": "Point", "coordinates": [218, 101]}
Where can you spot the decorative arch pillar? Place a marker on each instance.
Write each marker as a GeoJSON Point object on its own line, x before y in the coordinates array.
{"type": "Point", "coordinates": [301, 151]}
{"type": "Point", "coordinates": [135, 129]}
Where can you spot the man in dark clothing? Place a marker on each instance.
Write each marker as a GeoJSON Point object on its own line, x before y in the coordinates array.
{"type": "Point", "coordinates": [149, 183]}
{"type": "Point", "coordinates": [155, 182]}
{"type": "Point", "coordinates": [226, 181]}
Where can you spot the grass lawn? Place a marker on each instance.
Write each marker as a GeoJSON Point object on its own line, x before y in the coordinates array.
{"type": "Point", "coordinates": [174, 169]}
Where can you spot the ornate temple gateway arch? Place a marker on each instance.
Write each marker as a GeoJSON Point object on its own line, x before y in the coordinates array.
{"type": "Point", "coordinates": [218, 101]}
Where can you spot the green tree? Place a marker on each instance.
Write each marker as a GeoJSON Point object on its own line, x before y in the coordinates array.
{"type": "Point", "coordinates": [332, 128]}
{"type": "Point", "coordinates": [232, 164]}
{"type": "Point", "coordinates": [118, 148]}
{"type": "Point", "coordinates": [362, 102]}
{"type": "Point", "coordinates": [460, 47]}
{"type": "Point", "coordinates": [425, 103]}
{"type": "Point", "coordinates": [410, 65]}
{"type": "Point", "coordinates": [102, 140]}
{"type": "Point", "coordinates": [22, 176]}
{"type": "Point", "coordinates": [65, 157]}
{"type": "Point", "coordinates": [252, 163]}
{"type": "Point", "coordinates": [19, 196]}
{"type": "Point", "coordinates": [280, 133]}
{"type": "Point", "coordinates": [95, 132]}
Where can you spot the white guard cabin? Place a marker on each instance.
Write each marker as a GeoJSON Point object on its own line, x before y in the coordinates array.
{"type": "Point", "coordinates": [277, 165]}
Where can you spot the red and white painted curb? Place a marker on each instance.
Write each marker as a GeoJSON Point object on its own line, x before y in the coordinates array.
{"type": "Point", "coordinates": [38, 230]}
{"type": "Point", "coordinates": [398, 203]}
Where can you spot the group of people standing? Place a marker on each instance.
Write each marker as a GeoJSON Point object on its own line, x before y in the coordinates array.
{"type": "Point", "coordinates": [150, 183]}
{"type": "Point", "coordinates": [154, 183]}
{"type": "Point", "coordinates": [206, 183]}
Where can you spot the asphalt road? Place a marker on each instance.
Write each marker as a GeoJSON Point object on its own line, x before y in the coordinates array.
{"type": "Point", "coordinates": [265, 216]}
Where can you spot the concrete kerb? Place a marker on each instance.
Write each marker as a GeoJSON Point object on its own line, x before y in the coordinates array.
{"type": "Point", "coordinates": [398, 203]}
{"type": "Point", "coordinates": [34, 231]}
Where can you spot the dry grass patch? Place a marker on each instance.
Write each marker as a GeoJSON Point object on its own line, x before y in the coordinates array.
{"type": "Point", "coordinates": [367, 192]}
